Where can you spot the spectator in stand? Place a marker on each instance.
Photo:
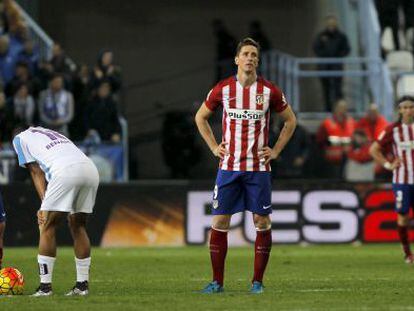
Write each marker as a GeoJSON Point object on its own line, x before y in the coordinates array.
{"type": "Point", "coordinates": [82, 91]}
{"type": "Point", "coordinates": [226, 44]}
{"type": "Point", "coordinates": [59, 63]}
{"type": "Point", "coordinates": [30, 55]}
{"type": "Point", "coordinates": [256, 33]}
{"type": "Point", "coordinates": [334, 138]}
{"type": "Point", "coordinates": [360, 165]}
{"type": "Point", "coordinates": [22, 75]}
{"type": "Point", "coordinates": [56, 105]}
{"type": "Point", "coordinates": [106, 70]}
{"type": "Point", "coordinates": [6, 120]}
{"type": "Point", "coordinates": [388, 17]}
{"type": "Point", "coordinates": [7, 60]}
{"type": "Point", "coordinates": [373, 123]}
{"type": "Point", "coordinates": [102, 115]}
{"type": "Point", "coordinates": [291, 162]}
{"type": "Point", "coordinates": [22, 106]}
{"type": "Point", "coordinates": [331, 42]}
{"type": "Point", "coordinates": [18, 34]}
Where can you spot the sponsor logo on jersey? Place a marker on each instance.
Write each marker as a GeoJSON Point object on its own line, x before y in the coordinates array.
{"type": "Point", "coordinates": [215, 204]}
{"type": "Point", "coordinates": [245, 114]}
{"type": "Point", "coordinates": [406, 145]}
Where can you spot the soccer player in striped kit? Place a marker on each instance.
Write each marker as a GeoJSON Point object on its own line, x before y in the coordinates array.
{"type": "Point", "coordinates": [398, 137]}
{"type": "Point", "coordinates": [243, 180]}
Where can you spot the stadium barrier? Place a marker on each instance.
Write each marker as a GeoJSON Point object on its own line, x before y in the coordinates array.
{"type": "Point", "coordinates": [178, 213]}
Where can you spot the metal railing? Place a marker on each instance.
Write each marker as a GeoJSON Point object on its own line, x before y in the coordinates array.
{"type": "Point", "coordinates": [375, 79]}
{"type": "Point", "coordinates": [287, 71]}
{"type": "Point", "coordinates": [370, 35]}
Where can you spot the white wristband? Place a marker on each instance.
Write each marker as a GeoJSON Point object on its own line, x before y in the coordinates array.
{"type": "Point", "coordinates": [387, 166]}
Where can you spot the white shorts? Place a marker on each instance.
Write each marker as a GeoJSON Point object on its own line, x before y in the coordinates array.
{"type": "Point", "coordinates": [72, 190]}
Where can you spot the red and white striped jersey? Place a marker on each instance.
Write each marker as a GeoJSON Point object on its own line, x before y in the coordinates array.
{"type": "Point", "coordinates": [246, 115]}
{"type": "Point", "coordinates": [399, 138]}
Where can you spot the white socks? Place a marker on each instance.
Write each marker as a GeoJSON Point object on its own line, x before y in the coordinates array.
{"type": "Point", "coordinates": [82, 269]}
{"type": "Point", "coordinates": [46, 264]}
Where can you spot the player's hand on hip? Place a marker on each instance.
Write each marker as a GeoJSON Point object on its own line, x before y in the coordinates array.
{"type": "Point", "coordinates": [395, 164]}
{"type": "Point", "coordinates": [221, 150]}
{"type": "Point", "coordinates": [266, 154]}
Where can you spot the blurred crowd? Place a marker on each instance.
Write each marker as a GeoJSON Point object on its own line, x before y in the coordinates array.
{"type": "Point", "coordinates": [78, 101]}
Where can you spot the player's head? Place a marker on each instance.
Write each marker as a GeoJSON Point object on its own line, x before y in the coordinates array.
{"type": "Point", "coordinates": [247, 55]}
{"type": "Point", "coordinates": [405, 106]}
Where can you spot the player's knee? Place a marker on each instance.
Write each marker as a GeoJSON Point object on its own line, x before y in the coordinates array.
{"type": "Point", "coordinates": [76, 222]}
{"type": "Point", "coordinates": [262, 222]}
{"type": "Point", "coordinates": [221, 224]}
{"type": "Point", "coordinates": [403, 220]}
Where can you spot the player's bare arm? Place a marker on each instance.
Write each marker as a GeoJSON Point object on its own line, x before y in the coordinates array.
{"type": "Point", "coordinates": [38, 177]}
{"type": "Point", "coordinates": [286, 133]}
{"type": "Point", "coordinates": [39, 181]}
{"type": "Point", "coordinates": [201, 119]}
{"type": "Point", "coordinates": [376, 153]}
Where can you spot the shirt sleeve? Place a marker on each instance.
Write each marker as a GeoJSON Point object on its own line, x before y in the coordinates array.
{"type": "Point", "coordinates": [23, 155]}
{"type": "Point", "coordinates": [213, 100]}
{"type": "Point", "coordinates": [385, 138]}
{"type": "Point", "coordinates": [278, 101]}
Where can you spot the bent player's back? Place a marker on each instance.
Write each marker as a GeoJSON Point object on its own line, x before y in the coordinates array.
{"type": "Point", "coordinates": [51, 150]}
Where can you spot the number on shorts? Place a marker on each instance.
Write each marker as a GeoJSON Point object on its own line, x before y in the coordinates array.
{"type": "Point", "coordinates": [399, 199]}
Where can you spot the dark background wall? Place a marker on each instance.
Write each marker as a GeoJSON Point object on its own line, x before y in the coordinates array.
{"type": "Point", "coordinates": [166, 50]}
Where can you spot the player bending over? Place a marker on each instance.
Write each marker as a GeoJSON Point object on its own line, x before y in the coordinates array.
{"type": "Point", "coordinates": [243, 179]}
{"type": "Point", "coordinates": [66, 181]}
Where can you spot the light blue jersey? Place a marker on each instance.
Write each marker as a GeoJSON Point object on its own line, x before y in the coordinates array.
{"type": "Point", "coordinates": [51, 150]}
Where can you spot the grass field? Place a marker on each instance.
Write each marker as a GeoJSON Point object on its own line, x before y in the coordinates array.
{"type": "Point", "coordinates": [341, 277]}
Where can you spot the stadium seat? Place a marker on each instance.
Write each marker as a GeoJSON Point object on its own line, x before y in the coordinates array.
{"type": "Point", "coordinates": [400, 60]}
{"type": "Point", "coordinates": [405, 85]}
{"type": "Point", "coordinates": [387, 40]}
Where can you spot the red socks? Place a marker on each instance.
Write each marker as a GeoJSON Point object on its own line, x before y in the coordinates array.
{"type": "Point", "coordinates": [218, 251]}
{"type": "Point", "coordinates": [262, 249]}
{"type": "Point", "coordinates": [403, 233]}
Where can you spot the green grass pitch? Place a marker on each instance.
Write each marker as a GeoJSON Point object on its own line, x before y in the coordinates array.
{"type": "Point", "coordinates": [340, 277]}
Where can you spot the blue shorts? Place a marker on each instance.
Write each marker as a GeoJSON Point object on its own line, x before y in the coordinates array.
{"type": "Point", "coordinates": [2, 211]}
{"type": "Point", "coordinates": [404, 197]}
{"type": "Point", "coordinates": [236, 192]}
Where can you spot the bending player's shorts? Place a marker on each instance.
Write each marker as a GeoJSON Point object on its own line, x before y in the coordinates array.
{"type": "Point", "coordinates": [2, 211]}
{"type": "Point", "coordinates": [404, 197]}
{"type": "Point", "coordinates": [235, 192]}
{"type": "Point", "coordinates": [72, 190]}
